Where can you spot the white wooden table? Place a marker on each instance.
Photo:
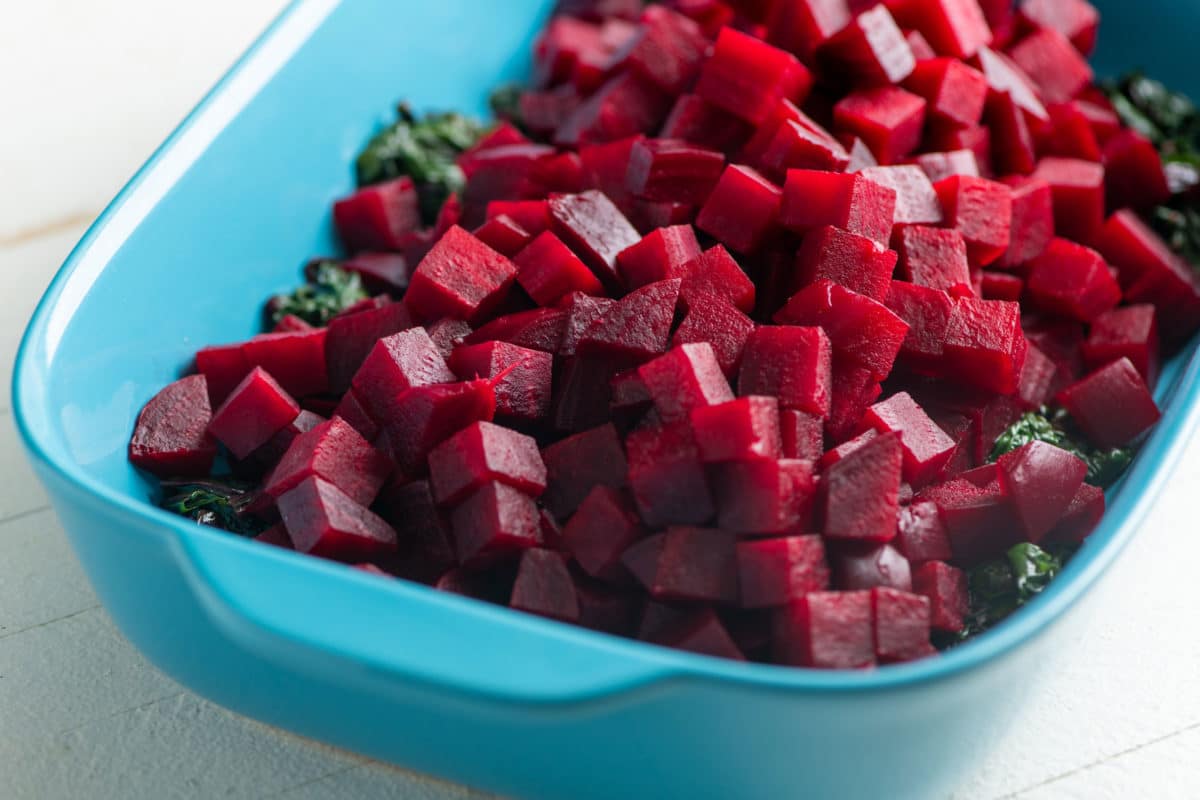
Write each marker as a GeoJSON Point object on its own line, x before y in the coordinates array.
{"type": "Point", "coordinates": [87, 91]}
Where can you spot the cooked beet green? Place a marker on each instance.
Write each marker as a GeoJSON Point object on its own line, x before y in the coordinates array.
{"type": "Point", "coordinates": [330, 291]}
{"type": "Point", "coordinates": [214, 503]}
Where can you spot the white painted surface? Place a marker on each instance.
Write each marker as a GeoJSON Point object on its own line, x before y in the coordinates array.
{"type": "Point", "coordinates": [89, 89]}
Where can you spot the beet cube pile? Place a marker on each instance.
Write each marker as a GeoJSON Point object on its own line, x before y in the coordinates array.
{"type": "Point", "coordinates": [715, 341]}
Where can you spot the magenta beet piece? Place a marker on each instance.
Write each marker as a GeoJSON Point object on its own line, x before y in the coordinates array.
{"type": "Point", "coordinates": [955, 28]}
{"type": "Point", "coordinates": [984, 345]}
{"type": "Point", "coordinates": [1077, 20]}
{"type": "Point", "coordinates": [836, 454]}
{"type": "Point", "coordinates": [902, 622]}
{"type": "Point", "coordinates": [916, 201]}
{"type": "Point", "coordinates": [803, 435]}
{"type": "Point", "coordinates": [548, 270]}
{"type": "Point", "coordinates": [395, 364]}
{"type": "Point", "coordinates": [828, 630]}
{"type": "Point", "coordinates": [858, 499]}
{"type": "Point", "coordinates": [269, 455]}
{"type": "Point", "coordinates": [685, 378]}
{"type": "Point", "coordinates": [888, 119]}
{"type": "Point", "coordinates": [855, 262]}
{"type": "Point", "coordinates": [764, 496]}
{"type": "Point", "coordinates": [637, 327]}
{"type": "Point", "coordinates": [921, 536]}
{"type": "Point", "coordinates": [1073, 281]}
{"type": "Point", "coordinates": [503, 235]}
{"type": "Point", "coordinates": [595, 230]}
{"type": "Point", "coordinates": [670, 170]}
{"type": "Point", "coordinates": [1001, 286]}
{"type": "Point", "coordinates": [859, 569]}
{"type": "Point", "coordinates": [812, 200]}
{"type": "Point", "coordinates": [493, 520]}
{"type": "Point", "coordinates": [170, 438]}
{"type": "Point", "coordinates": [583, 392]}
{"type": "Point", "coordinates": [1112, 405]}
{"type": "Point", "coordinates": [937, 166]}
{"type": "Point", "coordinates": [490, 580]}
{"type": "Point", "coordinates": [801, 27]}
{"type": "Point", "coordinates": [854, 391]}
{"type": "Point", "coordinates": [521, 377]}
{"type": "Point", "coordinates": [380, 272]}
{"type": "Point", "coordinates": [700, 632]}
{"type": "Point", "coordinates": [1040, 480]}
{"type": "Point", "coordinates": [980, 522]}
{"type": "Point", "coordinates": [423, 417]}
{"type": "Point", "coordinates": [738, 430]}
{"type": "Point", "coordinates": [580, 462]}
{"type": "Point", "coordinates": [659, 256]}
{"type": "Point", "coordinates": [630, 398]}
{"type": "Point", "coordinates": [775, 572]}
{"type": "Point", "coordinates": [296, 360]}
{"type": "Point", "coordinates": [982, 211]}
{"type": "Point", "coordinates": [799, 144]}
{"type": "Point", "coordinates": [946, 588]}
{"type": "Point", "coordinates": [537, 329]}
{"type": "Point", "coordinates": [667, 476]}
{"type": "Point", "coordinates": [322, 520]}
{"type": "Point", "coordinates": [1081, 517]}
{"type": "Point", "coordinates": [927, 313]}
{"type": "Point", "coordinates": [667, 50]}
{"type": "Point", "coordinates": [955, 93]}
{"type": "Point", "coordinates": [461, 277]}
{"type": "Point", "coordinates": [1077, 188]}
{"type": "Point", "coordinates": [715, 272]}
{"type": "Point", "coordinates": [926, 447]}
{"type": "Point", "coordinates": [379, 217]}
{"type": "Point", "coordinates": [256, 410]}
{"type": "Point", "coordinates": [603, 607]}
{"type": "Point", "coordinates": [793, 364]}
{"type": "Point", "coordinates": [601, 530]}
{"type": "Point", "coordinates": [859, 328]}
{"type": "Point", "coordinates": [484, 452]}
{"type": "Point", "coordinates": [935, 258]}
{"type": "Point", "coordinates": [532, 216]}
{"type": "Point", "coordinates": [746, 76]}
{"type": "Point", "coordinates": [276, 536]}
{"type": "Point", "coordinates": [1133, 172]}
{"type": "Point", "coordinates": [338, 454]}
{"type": "Point", "coordinates": [420, 527]}
{"type": "Point", "coordinates": [1032, 221]}
{"type": "Point", "coordinates": [696, 121]}
{"type": "Point", "coordinates": [1058, 70]}
{"type": "Point", "coordinates": [741, 210]}
{"type": "Point", "coordinates": [498, 173]}
{"type": "Point", "coordinates": [624, 106]}
{"type": "Point", "coordinates": [1003, 75]}
{"type": "Point", "coordinates": [605, 167]}
{"type": "Point", "coordinates": [710, 319]}
{"type": "Point", "coordinates": [870, 51]}
{"type": "Point", "coordinates": [351, 409]}
{"type": "Point", "coordinates": [1038, 378]}
{"type": "Point", "coordinates": [544, 586]}
{"type": "Point", "coordinates": [693, 564]}
{"type": "Point", "coordinates": [350, 338]}
{"type": "Point", "coordinates": [1130, 332]}
{"type": "Point", "coordinates": [223, 368]}
{"type": "Point", "coordinates": [447, 334]}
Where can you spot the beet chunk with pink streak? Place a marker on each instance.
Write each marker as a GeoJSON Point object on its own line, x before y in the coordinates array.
{"type": "Point", "coordinates": [521, 377]}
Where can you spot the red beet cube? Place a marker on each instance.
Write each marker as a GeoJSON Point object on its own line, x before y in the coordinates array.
{"type": "Point", "coordinates": [859, 496]}
{"type": "Point", "coordinates": [170, 438]}
{"type": "Point", "coordinates": [1032, 221]}
{"type": "Point", "coordinates": [801, 27]}
{"type": "Point", "coordinates": [741, 210]}
{"type": "Point", "coordinates": [322, 520]}
{"type": "Point", "coordinates": [793, 364]}
{"type": "Point", "coordinates": [692, 564]}
{"type": "Point", "coordinates": [738, 430]}
{"type": "Point", "coordinates": [984, 345]}
{"type": "Point", "coordinates": [870, 51]}
{"type": "Point", "coordinates": [395, 364]}
{"type": "Point", "coordinates": [935, 258]}
{"type": "Point", "coordinates": [979, 520]}
{"type": "Point", "coordinates": [425, 416]}
{"type": "Point", "coordinates": [1001, 286]}
{"type": "Point", "coordinates": [254, 412]}
{"type": "Point", "coordinates": [1078, 190]}
{"type": "Point", "coordinates": [422, 531]}
{"type": "Point", "coordinates": [1077, 20]}
{"type": "Point", "coordinates": [1003, 75]}
{"type": "Point", "coordinates": [580, 462]}
{"type": "Point", "coordinates": [624, 106]}
{"type": "Point", "coordinates": [1038, 378]}
{"type": "Point", "coordinates": [351, 409]}
{"type": "Point", "coordinates": [902, 621]}
{"type": "Point", "coordinates": [1081, 517]}
{"type": "Point", "coordinates": [700, 632]}
{"type": "Point", "coordinates": [637, 327]}
{"type": "Point", "coordinates": [946, 588]}
{"type": "Point", "coordinates": [865, 568]}
{"type": "Point", "coordinates": [829, 630]}
{"type": "Point", "coordinates": [667, 50]}
{"type": "Point", "coordinates": [814, 199]}
{"type": "Point", "coordinates": [1057, 69]}
{"type": "Point", "coordinates": [954, 93]}
{"type": "Point", "coordinates": [1040, 481]}
{"type": "Point", "coordinates": [715, 272]}
{"type": "Point", "coordinates": [461, 277]}
{"type": "Point", "coordinates": [982, 211]}
{"type": "Point", "coordinates": [764, 496]}
{"type": "Point", "coordinates": [670, 170]}
{"type": "Point", "coordinates": [379, 217]}
{"type": "Point", "coordinates": [916, 201]}
{"type": "Point", "coordinates": [380, 272]}
{"type": "Point", "coordinates": [538, 329]}
{"type": "Point", "coordinates": [695, 120]}
{"type": "Point", "coordinates": [803, 435]}
{"type": "Point", "coordinates": [544, 586]}
{"type": "Point", "coordinates": [1073, 281]}
{"type": "Point", "coordinates": [927, 313]}
{"type": "Point", "coordinates": [659, 256]}
{"type": "Point", "coordinates": [223, 368]}
{"type": "Point", "coordinates": [484, 452]}
{"type": "Point", "coordinates": [532, 216]}
{"type": "Point", "coordinates": [746, 76]}
{"type": "Point", "coordinates": [336, 453]}
{"type": "Point", "coordinates": [295, 359]}
{"type": "Point", "coordinates": [712, 320]}
{"type": "Point", "coordinates": [976, 140]}
{"type": "Point", "coordinates": [494, 520]}
{"type": "Point", "coordinates": [604, 527]}
{"type": "Point", "coordinates": [548, 270]}
{"type": "Point", "coordinates": [582, 312]}
{"type": "Point", "coordinates": [521, 377]}
{"type": "Point", "coordinates": [859, 328]}
{"type": "Point", "coordinates": [503, 235]}
{"type": "Point", "coordinates": [937, 166]}
{"type": "Point", "coordinates": [1112, 405]}
{"type": "Point", "coordinates": [667, 476]}
{"type": "Point", "coordinates": [888, 119]}
{"type": "Point", "coordinates": [955, 28]}
{"type": "Point", "coordinates": [447, 334]}
{"type": "Point", "coordinates": [926, 447]}
{"type": "Point", "coordinates": [921, 536]}
{"type": "Point", "coordinates": [775, 572]}
{"type": "Point", "coordinates": [592, 226]}
{"type": "Point", "coordinates": [1130, 332]}
{"type": "Point", "coordinates": [1133, 172]}
{"type": "Point", "coordinates": [688, 377]}
{"type": "Point", "coordinates": [350, 338]}
{"type": "Point", "coordinates": [1071, 134]}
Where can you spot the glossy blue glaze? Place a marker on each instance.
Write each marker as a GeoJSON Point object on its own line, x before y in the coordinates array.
{"type": "Point", "coordinates": [224, 214]}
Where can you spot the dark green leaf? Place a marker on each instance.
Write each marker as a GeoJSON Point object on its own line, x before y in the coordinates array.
{"type": "Point", "coordinates": [213, 503]}
{"type": "Point", "coordinates": [331, 291]}
{"type": "Point", "coordinates": [1054, 426]}
{"type": "Point", "coordinates": [506, 103]}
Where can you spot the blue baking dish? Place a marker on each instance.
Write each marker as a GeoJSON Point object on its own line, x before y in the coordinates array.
{"type": "Point", "coordinates": [223, 214]}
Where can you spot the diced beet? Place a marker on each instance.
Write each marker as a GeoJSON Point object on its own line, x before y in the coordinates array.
{"type": "Point", "coordinates": [715, 272]}
{"type": "Point", "coordinates": [624, 106]}
{"type": "Point", "coordinates": [793, 364]}
{"type": "Point", "coordinates": [921, 48]}
{"type": "Point", "coordinates": [322, 520]}
{"type": "Point", "coordinates": [670, 170]}
{"type": "Point", "coordinates": [461, 277]}
{"type": "Point", "coordinates": [937, 166]}
{"type": "Point", "coordinates": [1070, 134]}
{"type": "Point", "coordinates": [494, 520]}
{"type": "Point", "coordinates": [1040, 480]}
{"type": "Point", "coordinates": [902, 622]}
{"type": "Point", "coordinates": [538, 329]}
{"type": "Point", "coordinates": [605, 167]}
{"type": "Point", "coordinates": [803, 434]}
{"type": "Point", "coordinates": [1133, 172]}
{"type": "Point", "coordinates": [690, 564]}
{"type": "Point", "coordinates": [351, 409]}
{"type": "Point", "coordinates": [935, 258]}
{"type": "Point", "coordinates": [693, 119]}
{"type": "Point", "coordinates": [425, 416]}
{"type": "Point", "coordinates": [927, 313]}
{"type": "Point", "coordinates": [667, 50]}
{"type": "Point", "coordinates": [738, 430]}
{"type": "Point", "coordinates": [447, 334]}
{"type": "Point", "coordinates": [601, 530]}
{"type": "Point", "coordinates": [1077, 20]}
{"type": "Point", "coordinates": [855, 389]}
{"type": "Point", "coordinates": [379, 217]}
{"type": "Point", "coordinates": [859, 328]}
{"type": "Point", "coordinates": [421, 529]}
{"type": "Point", "coordinates": [336, 453]}
{"type": "Point", "coordinates": [954, 92]}
{"type": "Point", "coordinates": [700, 632]}
{"type": "Point", "coordinates": [888, 119]}
{"type": "Point", "coordinates": [858, 499]}
{"type": "Point", "coordinates": [775, 572]}
{"type": "Point", "coordinates": [1073, 281]}
{"type": "Point", "coordinates": [921, 536]}
{"type": "Point", "coordinates": [836, 454]}
{"type": "Point", "coordinates": [667, 476]}
{"type": "Point", "coordinates": [171, 438]}
{"type": "Point", "coordinates": [350, 338]}
{"type": "Point", "coordinates": [746, 76]}
{"type": "Point", "coordinates": [254, 411]}
{"type": "Point", "coordinates": [648, 216]}
{"type": "Point", "coordinates": [871, 50]}
{"type": "Point", "coordinates": [1032, 221]}
{"type": "Point", "coordinates": [741, 210]}
{"type": "Point", "coordinates": [830, 630]}
{"type": "Point", "coordinates": [980, 522]}
{"type": "Point", "coordinates": [955, 28]}
{"type": "Point", "coordinates": [380, 272]}
{"type": "Point", "coordinates": [710, 319]}
{"type": "Point", "coordinates": [395, 364]}
{"type": "Point", "coordinates": [503, 235]}
{"type": "Point", "coordinates": [533, 216]}
{"type": "Point", "coordinates": [1003, 75]}
{"type": "Point", "coordinates": [865, 568]}
{"type": "Point", "coordinates": [946, 588]}
{"type": "Point", "coordinates": [296, 360]}
{"type": "Point", "coordinates": [1057, 69]}
{"type": "Point", "coordinates": [1038, 378]}
{"type": "Point", "coordinates": [637, 327]}
{"type": "Point", "coordinates": [602, 607]}
{"type": "Point", "coordinates": [269, 455]}
{"type": "Point", "coordinates": [595, 229]}
{"type": "Point", "coordinates": [542, 113]}
{"type": "Point", "coordinates": [916, 201]}
{"type": "Point", "coordinates": [686, 378]}
{"type": "Point", "coordinates": [290, 323]}
{"type": "Point", "coordinates": [853, 203]}
{"type": "Point", "coordinates": [764, 496]}
{"type": "Point", "coordinates": [1112, 405]}
{"type": "Point", "coordinates": [544, 586]}
{"type": "Point", "coordinates": [484, 452]}
{"type": "Point", "coordinates": [490, 581]}
{"type": "Point", "coordinates": [1012, 142]}
{"type": "Point", "coordinates": [580, 462]}
{"type": "Point", "coordinates": [1130, 332]}
{"type": "Point", "coordinates": [659, 256]}
{"type": "Point", "coordinates": [583, 392]}
{"type": "Point", "coordinates": [982, 211]}
{"type": "Point", "coordinates": [276, 536]}
{"type": "Point", "coordinates": [1078, 191]}
{"type": "Point", "coordinates": [977, 140]}
{"type": "Point", "coordinates": [1081, 517]}
{"type": "Point", "coordinates": [802, 144]}
{"type": "Point", "coordinates": [984, 345]}
{"type": "Point", "coordinates": [801, 27]}
{"type": "Point", "coordinates": [926, 447]}
{"type": "Point", "coordinates": [521, 376]}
